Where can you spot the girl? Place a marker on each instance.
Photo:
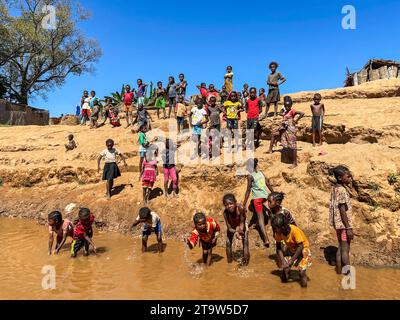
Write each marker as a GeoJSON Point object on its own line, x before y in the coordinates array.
{"type": "Point", "coordinates": [169, 168]}
{"type": "Point", "coordinates": [148, 174]}
{"type": "Point", "coordinates": [257, 184]}
{"type": "Point", "coordinates": [144, 144]}
{"type": "Point", "coordinates": [287, 131]}
{"type": "Point", "coordinates": [111, 170]}
{"type": "Point", "coordinates": [232, 107]}
{"type": "Point", "coordinates": [160, 100]}
{"type": "Point", "coordinates": [85, 107]}
{"type": "Point", "coordinates": [340, 215]}
{"type": "Point", "coordinates": [275, 79]}
{"type": "Point", "coordinates": [151, 223]}
{"type": "Point", "coordinates": [235, 219]}
{"type": "Point", "coordinates": [261, 97]}
{"type": "Point", "coordinates": [228, 79]}
{"type": "Point", "coordinates": [63, 228]}
{"type": "Point", "coordinates": [140, 92]}
{"type": "Point", "coordinates": [207, 230]}
{"type": "Point", "coordinates": [171, 91]}
{"type": "Point", "coordinates": [275, 207]}
{"type": "Point", "coordinates": [112, 113]}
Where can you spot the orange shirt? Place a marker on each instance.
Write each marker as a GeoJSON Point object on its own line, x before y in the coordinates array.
{"type": "Point", "coordinates": [212, 229]}
{"type": "Point", "coordinates": [293, 239]}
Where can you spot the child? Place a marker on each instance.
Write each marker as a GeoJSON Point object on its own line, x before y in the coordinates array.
{"type": "Point", "coordinates": [143, 145]}
{"type": "Point", "coordinates": [160, 100]}
{"type": "Point", "coordinates": [292, 248]}
{"type": "Point", "coordinates": [181, 111]}
{"type": "Point", "coordinates": [169, 168]}
{"type": "Point", "coordinates": [287, 131]}
{"type": "Point", "coordinates": [275, 79]}
{"type": "Point", "coordinates": [340, 215]}
{"type": "Point", "coordinates": [198, 117]}
{"type": "Point", "coordinates": [128, 104]}
{"type": "Point", "coordinates": [245, 97]}
{"type": "Point", "coordinates": [235, 219]}
{"type": "Point", "coordinates": [85, 107]}
{"type": "Point", "coordinates": [95, 114]}
{"type": "Point", "coordinates": [151, 223]}
{"type": "Point", "coordinates": [245, 89]}
{"type": "Point", "coordinates": [181, 87]}
{"type": "Point", "coordinates": [113, 113]}
{"type": "Point", "coordinates": [257, 184]}
{"type": "Point", "coordinates": [71, 145]}
{"type": "Point", "coordinates": [228, 79]}
{"type": "Point", "coordinates": [142, 117]}
{"type": "Point", "coordinates": [111, 170]}
{"type": "Point", "coordinates": [275, 207]}
{"type": "Point", "coordinates": [171, 91]}
{"type": "Point", "coordinates": [253, 110]}
{"type": "Point", "coordinates": [62, 229]}
{"type": "Point", "coordinates": [148, 174]}
{"type": "Point", "coordinates": [212, 92]}
{"type": "Point", "coordinates": [140, 92]}
{"type": "Point", "coordinates": [214, 113]}
{"type": "Point", "coordinates": [232, 108]}
{"type": "Point", "coordinates": [224, 95]}
{"type": "Point", "coordinates": [203, 91]}
{"type": "Point", "coordinates": [318, 112]}
{"type": "Point", "coordinates": [83, 233]}
{"type": "Point", "coordinates": [208, 231]}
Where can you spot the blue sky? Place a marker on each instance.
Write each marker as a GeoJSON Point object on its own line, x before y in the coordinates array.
{"type": "Point", "coordinates": [154, 39]}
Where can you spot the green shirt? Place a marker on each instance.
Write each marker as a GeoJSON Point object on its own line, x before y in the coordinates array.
{"type": "Point", "coordinates": [143, 142]}
{"type": "Point", "coordinates": [258, 186]}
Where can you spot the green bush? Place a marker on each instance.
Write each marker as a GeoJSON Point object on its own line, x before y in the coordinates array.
{"type": "Point", "coordinates": [393, 178]}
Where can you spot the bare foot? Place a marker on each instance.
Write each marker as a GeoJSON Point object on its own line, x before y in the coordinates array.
{"type": "Point", "coordinates": [293, 166]}
{"type": "Point", "coordinates": [303, 279]}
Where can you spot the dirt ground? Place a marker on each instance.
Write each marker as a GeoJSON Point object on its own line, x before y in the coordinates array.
{"type": "Point", "coordinates": [362, 131]}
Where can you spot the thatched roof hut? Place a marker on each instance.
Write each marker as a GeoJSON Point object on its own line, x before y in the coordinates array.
{"type": "Point", "coordinates": [374, 69]}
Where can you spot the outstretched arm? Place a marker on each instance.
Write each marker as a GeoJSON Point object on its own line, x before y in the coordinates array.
{"type": "Point", "coordinates": [300, 114]}
{"type": "Point", "coordinates": [268, 183]}
{"type": "Point", "coordinates": [98, 163]}
{"type": "Point", "coordinates": [90, 242]}
{"type": "Point", "coordinates": [65, 235]}
{"type": "Point", "coordinates": [51, 240]}
{"type": "Point", "coordinates": [247, 194]}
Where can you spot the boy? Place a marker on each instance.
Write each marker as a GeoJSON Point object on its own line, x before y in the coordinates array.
{"type": "Point", "coordinates": [181, 87]}
{"type": "Point", "coordinates": [228, 79]}
{"type": "Point", "coordinates": [212, 92]}
{"type": "Point", "coordinates": [214, 113]}
{"type": "Point", "coordinates": [95, 114]}
{"type": "Point", "coordinates": [63, 228]}
{"type": "Point", "coordinates": [275, 79]}
{"type": "Point", "coordinates": [208, 231]}
{"type": "Point", "coordinates": [142, 117]}
{"type": "Point", "coordinates": [171, 93]}
{"type": "Point", "coordinates": [223, 94]}
{"type": "Point", "coordinates": [232, 108]}
{"type": "Point", "coordinates": [83, 233]}
{"type": "Point", "coordinates": [253, 110]}
{"type": "Point", "coordinates": [203, 91]}
{"type": "Point", "coordinates": [151, 223]}
{"type": "Point", "coordinates": [198, 117]}
{"type": "Point", "coordinates": [140, 92]}
{"type": "Point", "coordinates": [181, 111]}
{"type": "Point", "coordinates": [245, 89]}
{"type": "Point", "coordinates": [292, 248]}
{"type": "Point", "coordinates": [71, 145]}
{"type": "Point", "coordinates": [318, 113]}
{"type": "Point", "coordinates": [128, 104]}
{"type": "Point", "coordinates": [235, 219]}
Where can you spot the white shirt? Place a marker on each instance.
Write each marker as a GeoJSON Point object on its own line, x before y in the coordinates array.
{"type": "Point", "coordinates": [197, 115]}
{"type": "Point", "coordinates": [154, 220]}
{"type": "Point", "coordinates": [110, 156]}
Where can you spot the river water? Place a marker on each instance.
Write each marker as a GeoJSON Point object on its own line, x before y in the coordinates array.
{"type": "Point", "coordinates": [121, 271]}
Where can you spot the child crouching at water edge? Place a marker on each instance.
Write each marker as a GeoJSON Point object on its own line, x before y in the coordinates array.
{"type": "Point", "coordinates": [235, 219]}
{"type": "Point", "coordinates": [151, 223]}
{"type": "Point", "coordinates": [111, 170]}
{"type": "Point", "coordinates": [340, 215]}
{"type": "Point", "coordinates": [206, 231]}
{"type": "Point", "coordinates": [62, 228]}
{"type": "Point", "coordinates": [83, 233]}
{"type": "Point", "coordinates": [292, 248]}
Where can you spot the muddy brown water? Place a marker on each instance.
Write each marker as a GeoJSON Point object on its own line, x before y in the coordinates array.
{"type": "Point", "coordinates": [121, 271]}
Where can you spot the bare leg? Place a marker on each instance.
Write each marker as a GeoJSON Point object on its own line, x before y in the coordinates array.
{"type": "Point", "coordinates": [160, 243]}
{"type": "Point", "coordinates": [345, 252]}
{"type": "Point", "coordinates": [108, 188]}
{"type": "Point", "coordinates": [275, 109]}
{"type": "Point", "coordinates": [140, 166]}
{"type": "Point", "coordinates": [144, 243]}
{"type": "Point", "coordinates": [294, 153]}
{"type": "Point", "coordinates": [313, 138]}
{"type": "Point", "coordinates": [339, 258]}
{"type": "Point", "coordinates": [267, 109]}
{"type": "Point", "coordinates": [229, 254]}
{"type": "Point", "coordinates": [321, 138]}
{"type": "Point", "coordinates": [166, 188]}
{"type": "Point", "coordinates": [127, 119]}
{"type": "Point", "coordinates": [303, 279]}
{"type": "Point", "coordinates": [209, 257]}
{"type": "Point", "coordinates": [246, 250]}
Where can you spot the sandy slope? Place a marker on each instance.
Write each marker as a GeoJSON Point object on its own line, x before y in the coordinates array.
{"type": "Point", "coordinates": [38, 176]}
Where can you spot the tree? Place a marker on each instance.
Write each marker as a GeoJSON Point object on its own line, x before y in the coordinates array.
{"type": "Point", "coordinates": [37, 57]}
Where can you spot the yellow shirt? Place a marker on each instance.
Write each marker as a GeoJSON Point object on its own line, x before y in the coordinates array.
{"type": "Point", "coordinates": [181, 110]}
{"type": "Point", "coordinates": [295, 237]}
{"type": "Point", "coordinates": [232, 109]}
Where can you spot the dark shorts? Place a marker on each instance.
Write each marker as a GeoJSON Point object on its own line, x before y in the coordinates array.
{"type": "Point", "coordinates": [148, 230]}
{"type": "Point", "coordinates": [215, 127]}
{"type": "Point", "coordinates": [78, 244]}
{"type": "Point", "coordinates": [252, 124]}
{"type": "Point", "coordinates": [232, 124]}
{"type": "Point", "coordinates": [180, 120]}
{"type": "Point", "coordinates": [207, 245]}
{"type": "Point", "coordinates": [111, 171]}
{"type": "Point", "coordinates": [317, 123]}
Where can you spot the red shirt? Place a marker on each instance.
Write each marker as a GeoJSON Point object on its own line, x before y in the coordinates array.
{"type": "Point", "coordinates": [203, 92]}
{"type": "Point", "coordinates": [234, 221]}
{"type": "Point", "coordinates": [80, 229]}
{"type": "Point", "coordinates": [290, 114]}
{"type": "Point", "coordinates": [253, 108]}
{"type": "Point", "coordinates": [128, 98]}
{"type": "Point", "coordinates": [212, 229]}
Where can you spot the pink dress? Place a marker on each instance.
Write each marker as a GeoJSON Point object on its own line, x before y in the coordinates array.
{"type": "Point", "coordinates": [149, 172]}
